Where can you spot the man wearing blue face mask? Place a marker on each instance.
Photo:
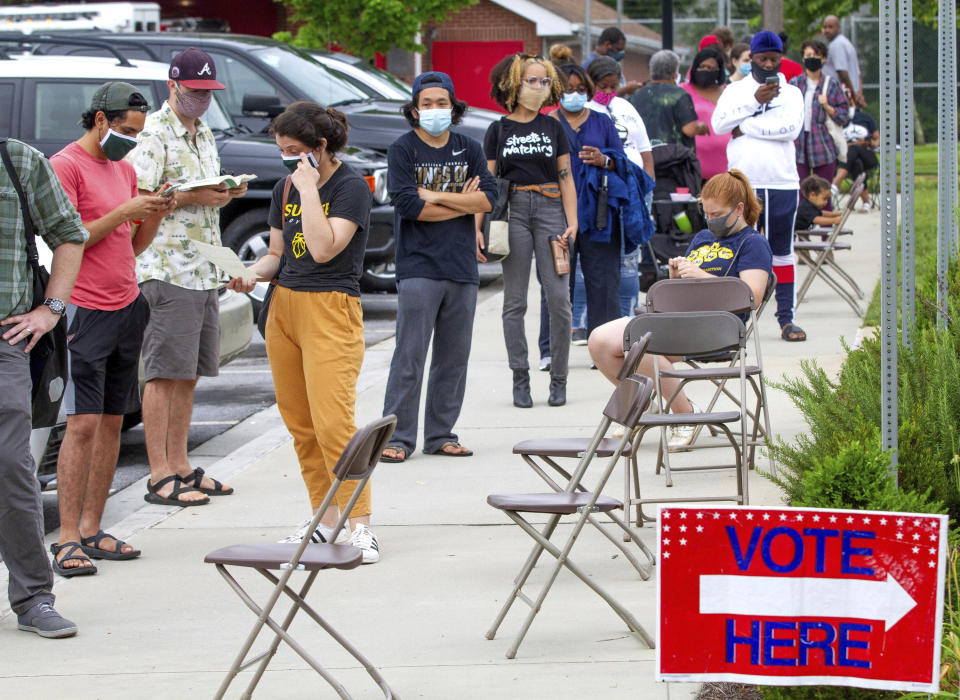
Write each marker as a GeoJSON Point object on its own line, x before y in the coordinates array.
{"type": "Point", "coordinates": [438, 180]}
{"type": "Point", "coordinates": [106, 317]}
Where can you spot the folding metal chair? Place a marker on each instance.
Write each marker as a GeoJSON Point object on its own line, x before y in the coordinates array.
{"type": "Point", "coordinates": [686, 334]}
{"type": "Point", "coordinates": [820, 260]}
{"type": "Point", "coordinates": [733, 295]}
{"type": "Point", "coordinates": [541, 454]}
{"type": "Point", "coordinates": [625, 408]}
{"type": "Point", "coordinates": [356, 463]}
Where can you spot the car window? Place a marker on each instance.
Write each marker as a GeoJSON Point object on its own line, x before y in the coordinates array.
{"type": "Point", "coordinates": [239, 80]}
{"type": "Point", "coordinates": [6, 109]}
{"type": "Point", "coordinates": [60, 103]}
{"type": "Point", "coordinates": [315, 79]}
{"type": "Point", "coordinates": [371, 80]}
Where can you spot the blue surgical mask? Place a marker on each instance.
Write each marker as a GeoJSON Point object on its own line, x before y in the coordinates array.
{"type": "Point", "coordinates": [573, 101]}
{"type": "Point", "coordinates": [616, 55]}
{"type": "Point", "coordinates": [745, 68]}
{"type": "Point", "coordinates": [435, 121]}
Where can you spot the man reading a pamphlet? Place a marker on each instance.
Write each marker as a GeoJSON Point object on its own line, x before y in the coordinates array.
{"type": "Point", "coordinates": [182, 339]}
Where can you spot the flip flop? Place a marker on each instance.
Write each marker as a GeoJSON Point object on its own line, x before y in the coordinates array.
{"type": "Point", "coordinates": [397, 451]}
{"type": "Point", "coordinates": [195, 478]}
{"type": "Point", "coordinates": [455, 445]}
{"type": "Point", "coordinates": [790, 330]}
{"type": "Point", "coordinates": [172, 500]}
{"type": "Point", "coordinates": [91, 547]}
{"type": "Point", "coordinates": [67, 572]}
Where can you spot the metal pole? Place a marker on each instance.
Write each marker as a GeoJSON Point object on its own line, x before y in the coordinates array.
{"type": "Point", "coordinates": [907, 263]}
{"type": "Point", "coordinates": [946, 152]}
{"type": "Point", "coordinates": [888, 213]}
{"type": "Point", "coordinates": [586, 30]}
{"type": "Point", "coordinates": [666, 10]}
{"type": "Point", "coordinates": [620, 15]}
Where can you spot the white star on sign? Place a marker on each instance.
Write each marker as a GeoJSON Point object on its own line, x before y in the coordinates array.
{"type": "Point", "coordinates": [683, 514]}
{"type": "Point", "coordinates": [666, 528]}
{"type": "Point", "coordinates": [916, 550]}
{"type": "Point", "coordinates": [699, 516]}
{"type": "Point", "coordinates": [799, 517]}
{"type": "Point", "coordinates": [899, 535]}
{"type": "Point", "coordinates": [883, 521]}
{"type": "Point", "coordinates": [783, 516]}
{"type": "Point", "coordinates": [666, 540]}
{"type": "Point", "coordinates": [866, 520]}
{"type": "Point", "coordinates": [931, 563]}
{"type": "Point", "coordinates": [916, 523]}
{"type": "Point", "coordinates": [916, 535]}
{"type": "Point", "coordinates": [933, 538]}
{"type": "Point", "coordinates": [833, 518]}
{"type": "Point", "coordinates": [699, 528]}
{"type": "Point", "coordinates": [716, 516]}
{"type": "Point", "coordinates": [682, 541]}
{"type": "Point", "coordinates": [816, 518]}
{"type": "Point", "coordinates": [666, 555]}
{"type": "Point", "coordinates": [899, 521]}
{"type": "Point", "coordinates": [849, 518]}
{"type": "Point", "coordinates": [766, 516]}
{"type": "Point", "coordinates": [666, 514]}
{"type": "Point", "coordinates": [683, 528]}
{"type": "Point", "coordinates": [749, 516]}
{"type": "Point", "coordinates": [733, 515]}
{"type": "Point", "coordinates": [933, 551]}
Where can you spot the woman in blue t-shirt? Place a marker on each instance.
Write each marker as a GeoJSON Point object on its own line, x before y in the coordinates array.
{"type": "Point", "coordinates": [729, 246]}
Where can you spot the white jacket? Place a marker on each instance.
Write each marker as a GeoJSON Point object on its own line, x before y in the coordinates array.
{"type": "Point", "coordinates": [765, 153]}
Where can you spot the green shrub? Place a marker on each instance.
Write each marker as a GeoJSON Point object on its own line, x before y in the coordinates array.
{"type": "Point", "coordinates": [825, 692]}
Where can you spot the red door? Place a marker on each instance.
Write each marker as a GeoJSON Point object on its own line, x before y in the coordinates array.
{"type": "Point", "coordinates": [468, 63]}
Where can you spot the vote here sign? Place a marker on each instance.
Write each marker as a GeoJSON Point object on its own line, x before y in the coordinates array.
{"type": "Point", "coordinates": [800, 596]}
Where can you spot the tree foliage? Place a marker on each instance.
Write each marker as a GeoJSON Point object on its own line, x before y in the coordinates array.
{"type": "Point", "coordinates": [364, 27]}
{"type": "Point", "coordinates": [805, 18]}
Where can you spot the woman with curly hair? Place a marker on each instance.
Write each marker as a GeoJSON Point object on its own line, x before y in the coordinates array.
{"type": "Point", "coordinates": [531, 151]}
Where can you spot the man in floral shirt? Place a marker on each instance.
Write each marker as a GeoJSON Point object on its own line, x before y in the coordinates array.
{"type": "Point", "coordinates": [182, 340]}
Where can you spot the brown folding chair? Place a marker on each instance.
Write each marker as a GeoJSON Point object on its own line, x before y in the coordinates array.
{"type": "Point", "coordinates": [685, 334]}
{"type": "Point", "coordinates": [733, 295]}
{"type": "Point", "coordinates": [356, 463]}
{"type": "Point", "coordinates": [625, 408]}
{"type": "Point", "coordinates": [541, 454]}
{"type": "Point", "coordinates": [821, 262]}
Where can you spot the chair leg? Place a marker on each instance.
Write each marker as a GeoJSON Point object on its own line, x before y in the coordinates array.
{"type": "Point", "coordinates": [843, 273]}
{"type": "Point", "coordinates": [766, 422]}
{"type": "Point", "coordinates": [642, 570]}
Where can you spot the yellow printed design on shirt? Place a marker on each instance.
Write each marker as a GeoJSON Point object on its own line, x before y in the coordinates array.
{"type": "Point", "coordinates": [706, 254]}
{"type": "Point", "coordinates": [298, 245]}
{"type": "Point", "coordinates": [294, 210]}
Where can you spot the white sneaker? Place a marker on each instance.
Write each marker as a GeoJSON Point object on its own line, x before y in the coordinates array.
{"type": "Point", "coordinates": [863, 207]}
{"type": "Point", "coordinates": [321, 535]}
{"type": "Point", "coordinates": [682, 435]}
{"type": "Point", "coordinates": [545, 364]}
{"type": "Point", "coordinates": [364, 540]}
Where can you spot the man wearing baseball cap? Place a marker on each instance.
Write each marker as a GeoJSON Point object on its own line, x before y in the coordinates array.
{"type": "Point", "coordinates": [437, 180]}
{"type": "Point", "coordinates": [764, 114]}
{"type": "Point", "coordinates": [106, 316]}
{"type": "Point", "coordinates": [182, 340]}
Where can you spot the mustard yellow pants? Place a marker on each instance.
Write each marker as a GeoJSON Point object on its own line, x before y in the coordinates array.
{"type": "Point", "coordinates": [315, 346]}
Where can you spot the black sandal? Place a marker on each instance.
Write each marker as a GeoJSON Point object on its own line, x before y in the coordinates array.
{"type": "Point", "coordinates": [65, 571]}
{"type": "Point", "coordinates": [793, 333]}
{"type": "Point", "coordinates": [195, 478]}
{"type": "Point", "coordinates": [172, 500]}
{"type": "Point", "coordinates": [91, 547]}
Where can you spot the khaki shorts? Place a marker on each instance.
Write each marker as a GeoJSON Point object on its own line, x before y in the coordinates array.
{"type": "Point", "coordinates": [182, 340]}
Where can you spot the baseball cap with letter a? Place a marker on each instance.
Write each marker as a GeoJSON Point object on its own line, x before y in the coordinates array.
{"type": "Point", "coordinates": [195, 69]}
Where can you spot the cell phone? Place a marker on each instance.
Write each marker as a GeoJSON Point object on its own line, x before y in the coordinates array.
{"type": "Point", "coordinates": [772, 80]}
{"type": "Point", "coordinates": [169, 192]}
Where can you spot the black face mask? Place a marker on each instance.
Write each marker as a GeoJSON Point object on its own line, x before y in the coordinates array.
{"type": "Point", "coordinates": [813, 63]}
{"type": "Point", "coordinates": [761, 74]}
{"type": "Point", "coordinates": [703, 78]}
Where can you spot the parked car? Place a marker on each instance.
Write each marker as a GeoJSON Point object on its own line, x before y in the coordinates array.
{"type": "Point", "coordinates": [373, 81]}
{"type": "Point", "coordinates": [42, 97]}
{"type": "Point", "coordinates": [263, 75]}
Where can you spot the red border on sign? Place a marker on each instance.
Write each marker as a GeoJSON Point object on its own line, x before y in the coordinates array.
{"type": "Point", "coordinates": [756, 595]}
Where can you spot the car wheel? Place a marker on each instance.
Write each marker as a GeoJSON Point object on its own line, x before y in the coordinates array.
{"type": "Point", "coordinates": [249, 237]}
{"type": "Point", "coordinates": [379, 278]}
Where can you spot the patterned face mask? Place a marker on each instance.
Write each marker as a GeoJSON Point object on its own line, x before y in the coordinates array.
{"type": "Point", "coordinates": [603, 98]}
{"type": "Point", "coordinates": [192, 105]}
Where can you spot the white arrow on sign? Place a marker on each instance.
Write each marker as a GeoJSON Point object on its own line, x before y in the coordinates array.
{"type": "Point", "coordinates": [776, 596]}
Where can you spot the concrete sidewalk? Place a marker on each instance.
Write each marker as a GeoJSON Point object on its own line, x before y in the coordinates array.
{"type": "Point", "coordinates": [166, 625]}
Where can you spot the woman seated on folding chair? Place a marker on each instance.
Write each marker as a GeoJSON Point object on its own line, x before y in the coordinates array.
{"type": "Point", "coordinates": [730, 245]}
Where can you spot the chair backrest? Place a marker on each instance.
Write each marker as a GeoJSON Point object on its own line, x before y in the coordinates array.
{"type": "Point", "coordinates": [362, 453]}
{"type": "Point", "coordinates": [632, 359]}
{"type": "Point", "coordinates": [693, 333]}
{"type": "Point", "coordinates": [629, 400]}
{"type": "Point", "coordinates": [729, 294]}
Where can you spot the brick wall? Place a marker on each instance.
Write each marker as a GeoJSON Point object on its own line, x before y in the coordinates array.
{"type": "Point", "coordinates": [484, 21]}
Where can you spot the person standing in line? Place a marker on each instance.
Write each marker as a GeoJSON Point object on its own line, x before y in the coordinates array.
{"type": "Point", "coordinates": [534, 156]}
{"type": "Point", "coordinates": [705, 87]}
{"type": "Point", "coordinates": [437, 181]}
{"type": "Point", "coordinates": [764, 115]}
{"type": "Point", "coordinates": [740, 62]}
{"type": "Point", "coordinates": [816, 152]}
{"type": "Point", "coordinates": [842, 63]}
{"type": "Point", "coordinates": [319, 219]}
{"type": "Point", "coordinates": [24, 322]}
{"type": "Point", "coordinates": [106, 318]}
{"type": "Point", "coordinates": [182, 339]}
{"type": "Point", "coordinates": [612, 44]}
{"type": "Point", "coordinates": [666, 109]}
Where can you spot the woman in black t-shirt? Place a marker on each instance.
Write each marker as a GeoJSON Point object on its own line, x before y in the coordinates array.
{"type": "Point", "coordinates": [318, 218]}
{"type": "Point", "coordinates": [531, 151]}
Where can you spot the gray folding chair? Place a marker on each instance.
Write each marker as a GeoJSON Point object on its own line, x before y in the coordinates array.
{"type": "Point", "coordinates": [686, 334]}
{"type": "Point", "coordinates": [733, 295]}
{"type": "Point", "coordinates": [625, 408]}
{"type": "Point", "coordinates": [541, 454]}
{"type": "Point", "coordinates": [356, 463]}
{"type": "Point", "coordinates": [821, 262]}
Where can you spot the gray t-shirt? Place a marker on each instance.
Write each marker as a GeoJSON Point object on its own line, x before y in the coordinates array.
{"type": "Point", "coordinates": [841, 55]}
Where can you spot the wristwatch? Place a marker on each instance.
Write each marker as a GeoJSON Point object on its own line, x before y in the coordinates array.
{"type": "Point", "coordinates": [56, 306]}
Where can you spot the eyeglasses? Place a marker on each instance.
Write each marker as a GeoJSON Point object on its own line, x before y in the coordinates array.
{"type": "Point", "coordinates": [534, 81]}
{"type": "Point", "coordinates": [582, 89]}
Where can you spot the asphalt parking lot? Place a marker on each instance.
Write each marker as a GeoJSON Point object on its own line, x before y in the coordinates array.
{"type": "Point", "coordinates": [244, 387]}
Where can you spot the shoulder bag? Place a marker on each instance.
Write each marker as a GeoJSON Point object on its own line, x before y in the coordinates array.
{"type": "Point", "coordinates": [496, 224]}
{"type": "Point", "coordinates": [834, 129]}
{"type": "Point", "coordinates": [265, 304]}
{"type": "Point", "coordinates": [48, 359]}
